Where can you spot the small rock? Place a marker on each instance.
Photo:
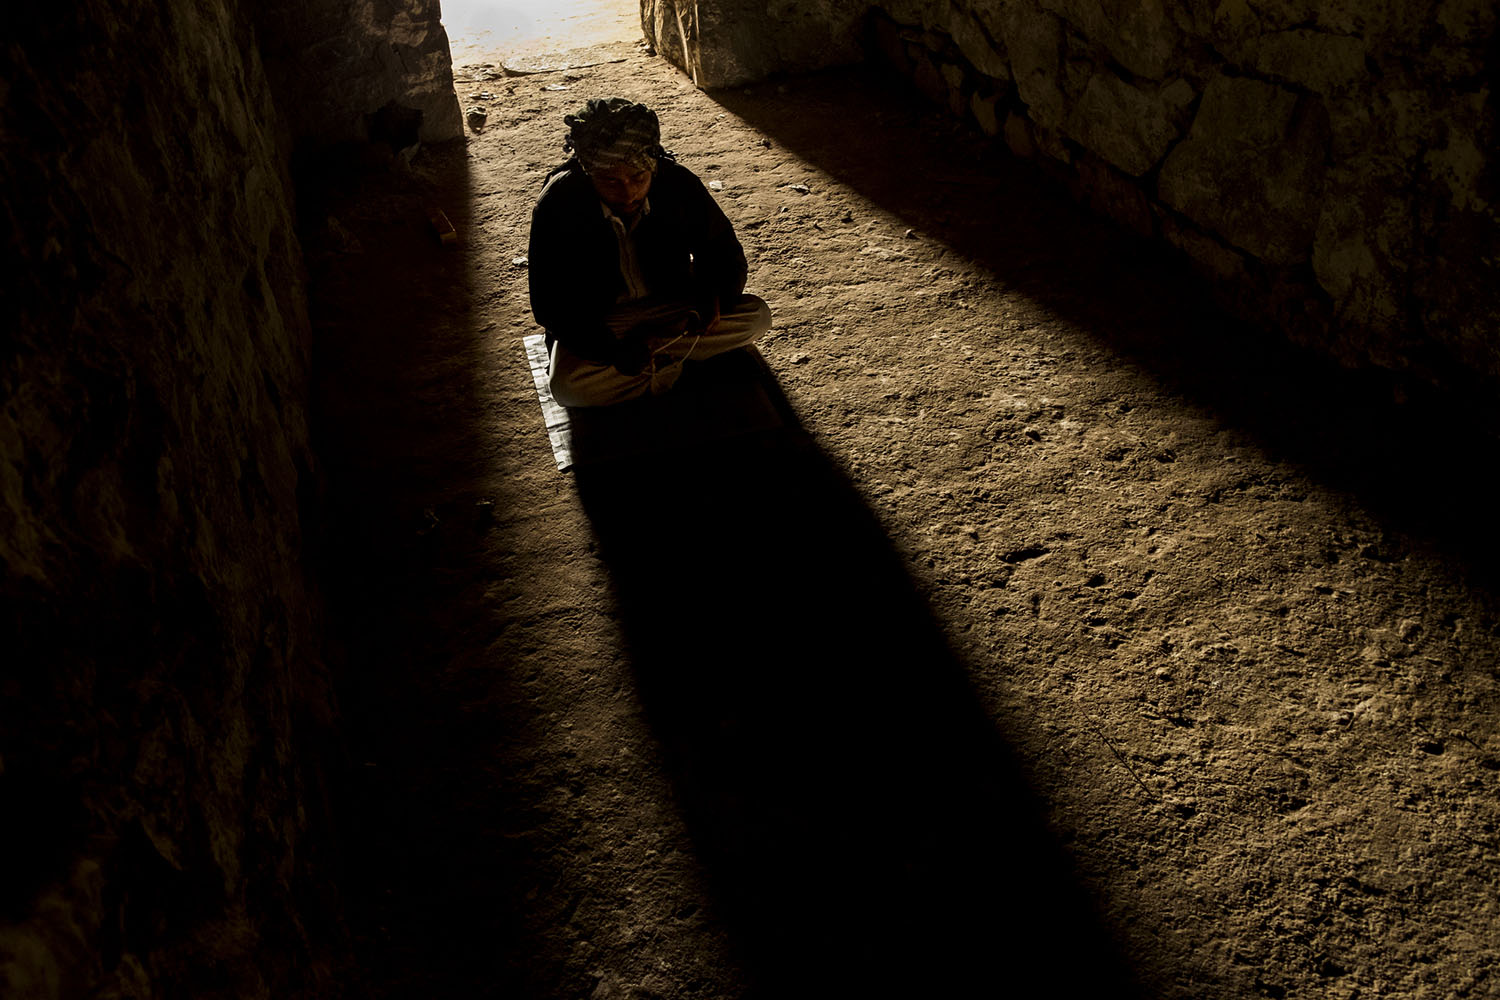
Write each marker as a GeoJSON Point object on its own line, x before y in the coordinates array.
{"type": "Point", "coordinates": [801, 359]}
{"type": "Point", "coordinates": [799, 188]}
{"type": "Point", "coordinates": [910, 234]}
{"type": "Point", "coordinates": [716, 185]}
{"type": "Point", "coordinates": [556, 86]}
{"type": "Point", "coordinates": [766, 143]}
{"type": "Point", "coordinates": [521, 261]}
{"type": "Point", "coordinates": [477, 117]}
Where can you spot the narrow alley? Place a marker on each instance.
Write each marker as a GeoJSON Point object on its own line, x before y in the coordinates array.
{"type": "Point", "coordinates": [1062, 630]}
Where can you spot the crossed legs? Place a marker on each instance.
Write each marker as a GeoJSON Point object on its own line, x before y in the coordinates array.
{"type": "Point", "coordinates": [576, 381]}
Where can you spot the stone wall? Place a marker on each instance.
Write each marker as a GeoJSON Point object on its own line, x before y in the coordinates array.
{"type": "Point", "coordinates": [165, 718]}
{"type": "Point", "coordinates": [340, 61]}
{"type": "Point", "coordinates": [722, 43]}
{"type": "Point", "coordinates": [1331, 167]}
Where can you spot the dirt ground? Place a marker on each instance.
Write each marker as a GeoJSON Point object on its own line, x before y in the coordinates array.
{"type": "Point", "coordinates": [1064, 638]}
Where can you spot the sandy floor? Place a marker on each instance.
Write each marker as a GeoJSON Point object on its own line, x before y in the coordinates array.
{"type": "Point", "coordinates": [482, 31]}
{"type": "Point", "coordinates": [1063, 632]}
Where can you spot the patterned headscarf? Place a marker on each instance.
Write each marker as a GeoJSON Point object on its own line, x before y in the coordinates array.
{"type": "Point", "coordinates": [612, 131]}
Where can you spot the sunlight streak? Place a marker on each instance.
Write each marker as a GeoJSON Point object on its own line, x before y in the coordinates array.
{"type": "Point", "coordinates": [484, 29]}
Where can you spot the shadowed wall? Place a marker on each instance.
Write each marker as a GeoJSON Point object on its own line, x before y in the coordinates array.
{"type": "Point", "coordinates": [166, 723]}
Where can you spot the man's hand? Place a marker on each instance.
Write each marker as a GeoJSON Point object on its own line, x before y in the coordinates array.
{"type": "Point", "coordinates": [705, 317]}
{"type": "Point", "coordinates": [632, 354]}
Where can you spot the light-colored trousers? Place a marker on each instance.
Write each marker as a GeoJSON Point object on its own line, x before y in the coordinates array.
{"type": "Point", "coordinates": [576, 381]}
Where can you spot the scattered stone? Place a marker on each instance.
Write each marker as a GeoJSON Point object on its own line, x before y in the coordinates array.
{"type": "Point", "coordinates": [799, 188]}
{"type": "Point", "coordinates": [521, 261]}
{"type": "Point", "coordinates": [910, 234]}
{"type": "Point", "coordinates": [766, 143]}
{"type": "Point", "coordinates": [716, 185]}
{"type": "Point", "coordinates": [801, 359]}
{"type": "Point", "coordinates": [477, 117]}
{"type": "Point", "coordinates": [556, 86]}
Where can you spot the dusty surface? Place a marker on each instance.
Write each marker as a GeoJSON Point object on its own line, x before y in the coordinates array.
{"type": "Point", "coordinates": [1072, 636]}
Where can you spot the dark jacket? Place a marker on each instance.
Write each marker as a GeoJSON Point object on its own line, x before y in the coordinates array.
{"type": "Point", "coordinates": [686, 247]}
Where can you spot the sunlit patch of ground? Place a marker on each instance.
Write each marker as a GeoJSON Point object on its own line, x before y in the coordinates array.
{"type": "Point", "coordinates": [483, 31]}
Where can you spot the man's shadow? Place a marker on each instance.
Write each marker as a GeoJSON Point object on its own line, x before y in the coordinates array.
{"type": "Point", "coordinates": [865, 829]}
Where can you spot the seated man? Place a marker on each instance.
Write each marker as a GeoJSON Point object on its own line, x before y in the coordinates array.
{"type": "Point", "coordinates": [634, 267]}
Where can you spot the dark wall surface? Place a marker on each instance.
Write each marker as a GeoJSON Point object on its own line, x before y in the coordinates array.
{"type": "Point", "coordinates": [333, 63]}
{"type": "Point", "coordinates": [165, 715]}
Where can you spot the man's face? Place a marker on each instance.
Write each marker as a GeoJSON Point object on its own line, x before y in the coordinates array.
{"type": "Point", "coordinates": [623, 188]}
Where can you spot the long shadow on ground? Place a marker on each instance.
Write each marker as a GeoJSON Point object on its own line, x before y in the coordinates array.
{"type": "Point", "coordinates": [866, 831]}
{"type": "Point", "coordinates": [1417, 458]}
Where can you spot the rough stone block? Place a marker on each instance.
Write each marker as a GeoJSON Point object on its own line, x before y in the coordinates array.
{"type": "Point", "coordinates": [1052, 144]}
{"type": "Point", "coordinates": [332, 63]}
{"type": "Point", "coordinates": [1018, 136]}
{"type": "Point", "coordinates": [1034, 41]}
{"type": "Point", "coordinates": [1112, 194]}
{"type": "Point", "coordinates": [1128, 126]}
{"type": "Point", "coordinates": [1139, 34]}
{"type": "Point", "coordinates": [725, 43]}
{"type": "Point", "coordinates": [1211, 258]}
{"type": "Point", "coordinates": [1317, 60]}
{"type": "Point", "coordinates": [1358, 277]}
{"type": "Point", "coordinates": [986, 113]}
{"type": "Point", "coordinates": [885, 36]}
{"type": "Point", "coordinates": [927, 76]}
{"type": "Point", "coordinates": [1251, 168]}
{"type": "Point", "coordinates": [983, 51]}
